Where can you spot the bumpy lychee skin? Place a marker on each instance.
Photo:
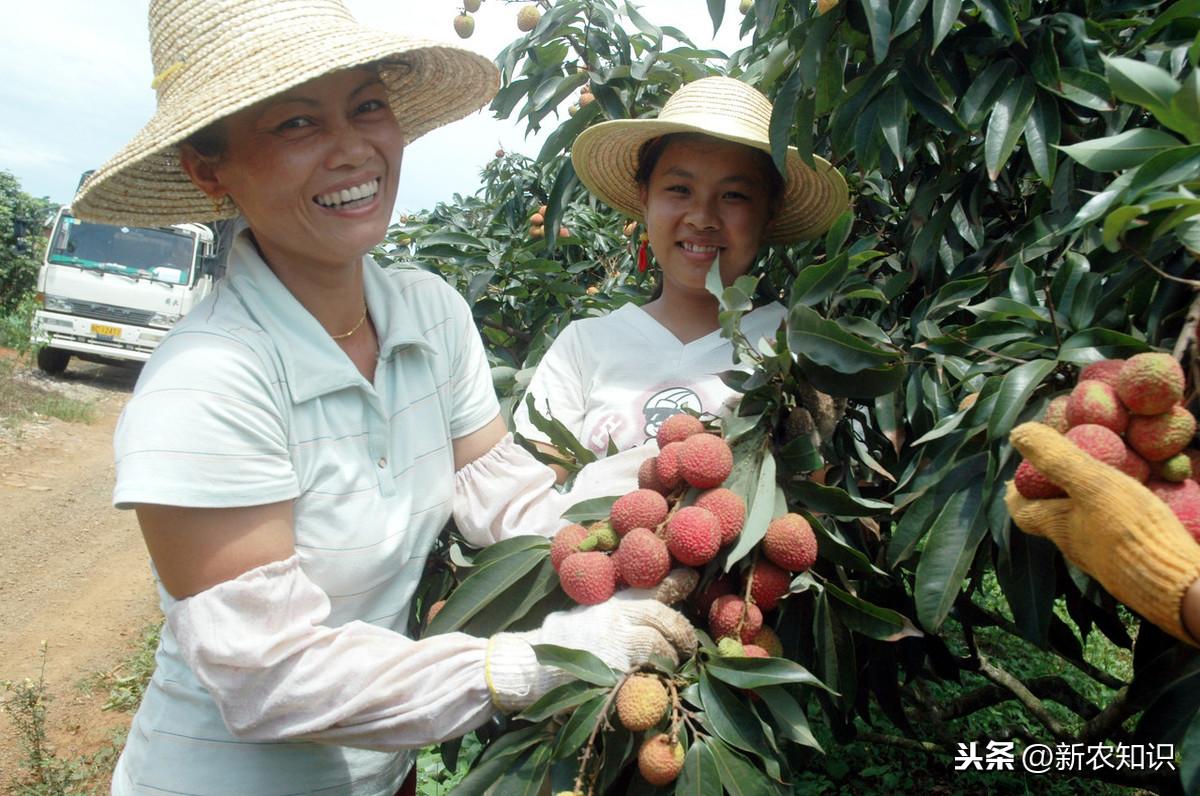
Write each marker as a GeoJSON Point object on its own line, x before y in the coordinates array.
{"type": "Point", "coordinates": [730, 647]}
{"type": "Point", "coordinates": [659, 760]}
{"type": "Point", "coordinates": [1135, 466]}
{"type": "Point", "coordinates": [1094, 401]}
{"type": "Point", "coordinates": [1177, 468]}
{"type": "Point", "coordinates": [1150, 384]}
{"type": "Point", "coordinates": [565, 542]}
{"type": "Point", "coordinates": [1033, 485]}
{"type": "Point", "coordinates": [790, 543]}
{"type": "Point", "coordinates": [1159, 437]}
{"type": "Point", "coordinates": [641, 508]}
{"type": "Point", "coordinates": [729, 509]}
{"type": "Point", "coordinates": [1099, 443]}
{"type": "Point", "coordinates": [1106, 370]}
{"type": "Point", "coordinates": [677, 428]}
{"type": "Point", "coordinates": [768, 639]}
{"type": "Point", "coordinates": [528, 17]}
{"type": "Point", "coordinates": [718, 587]}
{"type": "Point", "coordinates": [641, 702]}
{"type": "Point", "coordinates": [666, 465]}
{"type": "Point", "coordinates": [1183, 499]}
{"type": "Point", "coordinates": [588, 578]}
{"type": "Point", "coordinates": [1056, 414]}
{"type": "Point", "coordinates": [755, 651]}
{"type": "Point", "coordinates": [642, 559]}
{"type": "Point", "coordinates": [726, 613]}
{"type": "Point", "coordinates": [705, 461]}
{"type": "Point", "coordinates": [768, 584]}
{"type": "Point", "coordinates": [693, 536]}
{"type": "Point", "coordinates": [648, 476]}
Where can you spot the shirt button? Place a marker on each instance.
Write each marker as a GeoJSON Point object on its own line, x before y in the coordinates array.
{"type": "Point", "coordinates": [382, 462]}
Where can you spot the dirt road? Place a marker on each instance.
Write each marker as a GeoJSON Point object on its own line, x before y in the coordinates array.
{"type": "Point", "coordinates": [73, 570]}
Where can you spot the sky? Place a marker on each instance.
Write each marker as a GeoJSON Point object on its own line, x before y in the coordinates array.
{"type": "Point", "coordinates": [76, 87]}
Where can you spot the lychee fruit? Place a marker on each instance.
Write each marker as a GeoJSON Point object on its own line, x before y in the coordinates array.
{"type": "Point", "coordinates": [718, 587]}
{"type": "Point", "coordinates": [768, 584]}
{"type": "Point", "coordinates": [528, 17]}
{"type": "Point", "coordinates": [1150, 384]}
{"type": "Point", "coordinates": [641, 508]}
{"type": "Point", "coordinates": [536, 219]}
{"type": "Point", "coordinates": [693, 536]}
{"type": "Point", "coordinates": [1159, 437]}
{"type": "Point", "coordinates": [648, 476]}
{"type": "Point", "coordinates": [434, 609]}
{"type": "Point", "coordinates": [641, 702]}
{"type": "Point", "coordinates": [1177, 468]}
{"type": "Point", "coordinates": [601, 536]}
{"type": "Point", "coordinates": [563, 232]}
{"type": "Point", "coordinates": [1135, 466]}
{"type": "Point", "coordinates": [464, 25]}
{"type": "Point", "coordinates": [588, 578]}
{"type": "Point", "coordinates": [542, 209]}
{"type": "Point", "coordinates": [538, 232]}
{"type": "Point", "coordinates": [666, 465]}
{"type": "Point", "coordinates": [678, 427]}
{"type": "Point", "coordinates": [642, 559]}
{"type": "Point", "coordinates": [660, 760]}
{"type": "Point", "coordinates": [1033, 485]}
{"type": "Point", "coordinates": [1056, 414]}
{"type": "Point", "coordinates": [471, 5]}
{"type": "Point", "coordinates": [768, 639]}
{"type": "Point", "coordinates": [1099, 442]}
{"type": "Point", "coordinates": [791, 543]}
{"type": "Point", "coordinates": [1094, 401]}
{"type": "Point", "coordinates": [729, 509]}
{"type": "Point", "coordinates": [745, 6]}
{"type": "Point", "coordinates": [705, 461]}
{"type": "Point", "coordinates": [566, 541]}
{"type": "Point", "coordinates": [730, 647]}
{"type": "Point", "coordinates": [1106, 370]}
{"type": "Point", "coordinates": [726, 614]}
{"type": "Point", "coordinates": [1183, 499]}
{"type": "Point", "coordinates": [755, 651]}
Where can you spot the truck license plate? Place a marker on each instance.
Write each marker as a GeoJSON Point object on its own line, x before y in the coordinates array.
{"type": "Point", "coordinates": [106, 331]}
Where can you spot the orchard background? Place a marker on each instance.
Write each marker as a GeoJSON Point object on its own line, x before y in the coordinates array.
{"type": "Point", "coordinates": [1022, 177]}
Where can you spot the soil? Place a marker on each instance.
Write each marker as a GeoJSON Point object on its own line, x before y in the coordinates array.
{"type": "Point", "coordinates": [74, 572]}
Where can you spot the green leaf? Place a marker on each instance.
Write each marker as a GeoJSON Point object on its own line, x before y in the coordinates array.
{"type": "Point", "coordinates": [716, 12]}
{"type": "Point", "coordinates": [793, 724]}
{"type": "Point", "coordinates": [577, 729]}
{"type": "Point", "coordinates": [945, 13]}
{"type": "Point", "coordinates": [984, 91]}
{"type": "Point", "coordinates": [498, 759]}
{"type": "Point", "coordinates": [759, 512]}
{"type": "Point", "coordinates": [452, 239]}
{"type": "Point", "coordinates": [560, 193]}
{"type": "Point", "coordinates": [481, 587]}
{"type": "Point", "coordinates": [590, 509]}
{"type": "Point", "coordinates": [949, 550]}
{"type": "Point", "coordinates": [826, 343]}
{"type": "Point", "coordinates": [871, 620]}
{"type": "Point", "coordinates": [579, 663]}
{"type": "Point", "coordinates": [1169, 169]}
{"type": "Point", "coordinates": [516, 602]}
{"type": "Point", "coordinates": [819, 281]}
{"type": "Point", "coordinates": [699, 776]}
{"type": "Point", "coordinates": [1007, 122]}
{"type": "Point", "coordinates": [1018, 384]}
{"type": "Point", "coordinates": [1122, 151]}
{"type": "Point", "coordinates": [832, 500]}
{"type": "Point", "coordinates": [893, 121]}
{"type": "Point", "coordinates": [1083, 88]}
{"type": "Point", "coordinates": [1042, 134]}
{"type": "Point", "coordinates": [760, 672]}
{"type": "Point", "coordinates": [836, 237]}
{"type": "Point", "coordinates": [737, 775]}
{"type": "Point", "coordinates": [998, 15]}
{"type": "Point", "coordinates": [908, 13]}
{"type": "Point", "coordinates": [783, 115]}
{"type": "Point", "coordinates": [1190, 753]}
{"type": "Point", "coordinates": [568, 695]}
{"type": "Point", "coordinates": [1118, 221]}
{"type": "Point", "coordinates": [879, 21]}
{"type": "Point", "coordinates": [560, 436]}
{"type": "Point", "coordinates": [734, 721]}
{"type": "Point", "coordinates": [653, 31]}
{"type": "Point", "coordinates": [527, 776]}
{"type": "Point", "coordinates": [1140, 83]}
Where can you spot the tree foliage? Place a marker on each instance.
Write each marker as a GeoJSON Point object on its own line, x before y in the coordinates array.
{"type": "Point", "coordinates": [1024, 178]}
{"type": "Point", "coordinates": [22, 219]}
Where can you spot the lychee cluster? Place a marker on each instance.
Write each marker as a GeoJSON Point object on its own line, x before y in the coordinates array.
{"type": "Point", "coordinates": [537, 225]}
{"type": "Point", "coordinates": [1128, 413]}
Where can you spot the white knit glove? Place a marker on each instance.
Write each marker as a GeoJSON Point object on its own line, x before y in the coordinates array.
{"type": "Point", "coordinates": [624, 632]}
{"type": "Point", "coordinates": [507, 492]}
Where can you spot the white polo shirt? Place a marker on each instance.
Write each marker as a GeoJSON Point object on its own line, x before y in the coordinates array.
{"type": "Point", "coordinates": [248, 401]}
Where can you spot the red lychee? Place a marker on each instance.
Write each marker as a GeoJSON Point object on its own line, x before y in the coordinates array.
{"type": "Point", "coordinates": [755, 651]}
{"type": "Point", "coordinates": [718, 587]}
{"type": "Point", "coordinates": [677, 428]}
{"type": "Point", "coordinates": [648, 476]}
{"type": "Point", "coordinates": [1159, 437]}
{"type": "Point", "coordinates": [693, 536]}
{"type": "Point", "coordinates": [1056, 414]}
{"type": "Point", "coordinates": [1094, 401]}
{"type": "Point", "coordinates": [588, 578]}
{"type": "Point", "coordinates": [1135, 466]}
{"type": "Point", "coordinates": [1033, 485]}
{"type": "Point", "coordinates": [641, 508]}
{"type": "Point", "coordinates": [791, 543]}
{"type": "Point", "coordinates": [1099, 442]}
{"type": "Point", "coordinates": [705, 461]}
{"type": "Point", "coordinates": [642, 559]}
{"type": "Point", "coordinates": [1183, 499]}
{"type": "Point", "coordinates": [768, 639]}
{"type": "Point", "coordinates": [726, 614]}
{"type": "Point", "coordinates": [565, 542]}
{"type": "Point", "coordinates": [768, 583]}
{"type": "Point", "coordinates": [666, 465]}
{"type": "Point", "coordinates": [1150, 384]}
{"type": "Point", "coordinates": [1106, 370]}
{"type": "Point", "coordinates": [729, 509]}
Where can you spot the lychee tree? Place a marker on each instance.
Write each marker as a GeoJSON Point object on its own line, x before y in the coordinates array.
{"type": "Point", "coordinates": [1024, 178]}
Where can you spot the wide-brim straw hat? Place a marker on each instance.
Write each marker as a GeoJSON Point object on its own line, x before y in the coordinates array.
{"type": "Point", "coordinates": [606, 156]}
{"type": "Point", "coordinates": [213, 58]}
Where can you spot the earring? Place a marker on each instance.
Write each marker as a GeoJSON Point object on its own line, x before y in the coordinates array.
{"type": "Point", "coordinates": [643, 256]}
{"type": "Point", "coordinates": [218, 203]}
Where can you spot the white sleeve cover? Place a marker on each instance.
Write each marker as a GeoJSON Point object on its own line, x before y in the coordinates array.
{"type": "Point", "coordinates": [506, 492]}
{"type": "Point", "coordinates": [257, 643]}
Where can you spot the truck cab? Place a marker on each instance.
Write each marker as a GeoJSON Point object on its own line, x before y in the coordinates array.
{"type": "Point", "coordinates": [111, 293]}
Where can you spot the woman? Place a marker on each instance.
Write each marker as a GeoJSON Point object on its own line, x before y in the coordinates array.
{"type": "Point", "coordinates": [298, 441]}
{"type": "Point", "coordinates": [701, 179]}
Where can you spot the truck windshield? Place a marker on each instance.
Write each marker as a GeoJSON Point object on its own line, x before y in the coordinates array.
{"type": "Point", "coordinates": [162, 254]}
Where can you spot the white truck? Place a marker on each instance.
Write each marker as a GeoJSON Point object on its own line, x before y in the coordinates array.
{"type": "Point", "coordinates": [110, 293]}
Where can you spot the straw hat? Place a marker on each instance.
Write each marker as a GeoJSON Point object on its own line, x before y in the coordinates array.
{"type": "Point", "coordinates": [215, 57]}
{"type": "Point", "coordinates": [606, 156]}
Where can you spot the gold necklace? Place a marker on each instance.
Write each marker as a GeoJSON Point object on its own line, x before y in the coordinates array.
{"type": "Point", "coordinates": [357, 326]}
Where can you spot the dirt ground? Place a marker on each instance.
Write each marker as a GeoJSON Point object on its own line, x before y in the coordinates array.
{"type": "Point", "coordinates": [73, 570]}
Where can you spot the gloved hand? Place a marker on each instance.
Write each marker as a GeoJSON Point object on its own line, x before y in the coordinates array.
{"type": "Point", "coordinates": [624, 632]}
{"type": "Point", "coordinates": [1110, 526]}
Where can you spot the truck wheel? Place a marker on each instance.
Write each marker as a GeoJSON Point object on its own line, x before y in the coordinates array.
{"type": "Point", "coordinates": [53, 361]}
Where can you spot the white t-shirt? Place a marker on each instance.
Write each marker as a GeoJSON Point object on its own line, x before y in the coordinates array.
{"type": "Point", "coordinates": [248, 401]}
{"type": "Point", "coordinates": [621, 375]}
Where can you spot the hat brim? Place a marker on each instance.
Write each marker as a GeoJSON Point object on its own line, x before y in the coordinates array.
{"type": "Point", "coordinates": [429, 84]}
{"type": "Point", "coordinates": [605, 158]}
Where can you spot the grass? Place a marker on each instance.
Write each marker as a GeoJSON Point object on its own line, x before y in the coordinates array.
{"type": "Point", "coordinates": [20, 401]}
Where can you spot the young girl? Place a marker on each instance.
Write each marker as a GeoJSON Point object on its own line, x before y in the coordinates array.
{"type": "Point", "coordinates": [701, 179]}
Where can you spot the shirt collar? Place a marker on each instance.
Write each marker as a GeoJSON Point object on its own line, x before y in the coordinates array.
{"type": "Point", "coordinates": [313, 363]}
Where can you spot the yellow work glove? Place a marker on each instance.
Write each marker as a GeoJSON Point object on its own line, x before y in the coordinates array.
{"type": "Point", "coordinates": [1110, 526]}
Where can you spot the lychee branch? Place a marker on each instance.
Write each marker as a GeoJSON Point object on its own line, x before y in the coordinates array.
{"type": "Point", "coordinates": [601, 720]}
